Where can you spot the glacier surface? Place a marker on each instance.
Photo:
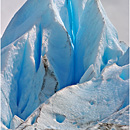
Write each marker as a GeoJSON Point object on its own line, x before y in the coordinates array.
{"type": "Point", "coordinates": [63, 67]}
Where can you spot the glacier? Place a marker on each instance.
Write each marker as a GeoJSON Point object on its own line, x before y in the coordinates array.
{"type": "Point", "coordinates": [63, 67]}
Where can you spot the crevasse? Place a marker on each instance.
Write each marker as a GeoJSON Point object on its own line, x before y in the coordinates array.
{"type": "Point", "coordinates": [72, 24]}
{"type": "Point", "coordinates": [71, 21]}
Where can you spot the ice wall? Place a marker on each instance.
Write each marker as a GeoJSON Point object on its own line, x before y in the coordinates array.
{"type": "Point", "coordinates": [52, 44]}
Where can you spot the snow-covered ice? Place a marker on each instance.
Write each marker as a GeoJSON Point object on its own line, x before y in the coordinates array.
{"type": "Point", "coordinates": [83, 105]}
